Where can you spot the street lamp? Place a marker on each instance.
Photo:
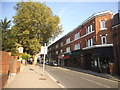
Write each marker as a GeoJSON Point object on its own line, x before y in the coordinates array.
{"type": "Point", "coordinates": [44, 58]}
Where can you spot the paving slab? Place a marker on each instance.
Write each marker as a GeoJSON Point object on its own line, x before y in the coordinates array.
{"type": "Point", "coordinates": [31, 77]}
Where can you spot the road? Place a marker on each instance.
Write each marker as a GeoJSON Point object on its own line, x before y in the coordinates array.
{"type": "Point", "coordinates": [74, 79]}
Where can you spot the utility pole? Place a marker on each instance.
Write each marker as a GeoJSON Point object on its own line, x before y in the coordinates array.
{"type": "Point", "coordinates": [44, 59]}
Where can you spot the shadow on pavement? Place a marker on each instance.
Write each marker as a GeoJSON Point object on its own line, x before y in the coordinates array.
{"type": "Point", "coordinates": [107, 76]}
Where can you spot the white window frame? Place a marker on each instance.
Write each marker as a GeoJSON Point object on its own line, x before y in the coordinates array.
{"type": "Point", "coordinates": [67, 40]}
{"type": "Point", "coordinates": [76, 46]}
{"type": "Point", "coordinates": [56, 46]}
{"type": "Point", "coordinates": [56, 52]}
{"type": "Point", "coordinates": [68, 49]}
{"type": "Point", "coordinates": [89, 42]}
{"type": "Point", "coordinates": [103, 25]}
{"type": "Point", "coordinates": [77, 35]}
{"type": "Point", "coordinates": [105, 39]}
{"type": "Point", "coordinates": [89, 29]}
{"type": "Point", "coordinates": [61, 50]}
{"type": "Point", "coordinates": [61, 44]}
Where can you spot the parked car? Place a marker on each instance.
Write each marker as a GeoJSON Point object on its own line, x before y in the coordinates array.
{"type": "Point", "coordinates": [51, 64]}
{"type": "Point", "coordinates": [46, 63]}
{"type": "Point", "coordinates": [55, 64]}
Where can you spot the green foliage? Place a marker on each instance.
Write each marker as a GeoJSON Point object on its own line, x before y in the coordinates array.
{"type": "Point", "coordinates": [25, 56]}
{"type": "Point", "coordinates": [5, 24]}
{"type": "Point", "coordinates": [35, 23]}
{"type": "Point", "coordinates": [8, 37]}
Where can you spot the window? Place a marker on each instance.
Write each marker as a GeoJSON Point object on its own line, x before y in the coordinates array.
{"type": "Point", "coordinates": [61, 50]}
{"type": "Point", "coordinates": [77, 46]}
{"type": "Point", "coordinates": [77, 35]}
{"type": "Point", "coordinates": [89, 29]}
{"type": "Point", "coordinates": [103, 39]}
{"type": "Point", "coordinates": [68, 49]}
{"type": "Point", "coordinates": [53, 47]}
{"type": "Point", "coordinates": [90, 42]}
{"type": "Point", "coordinates": [57, 46]}
{"type": "Point", "coordinates": [56, 52]}
{"type": "Point", "coordinates": [103, 24]}
{"type": "Point", "coordinates": [68, 41]}
{"type": "Point", "coordinates": [61, 43]}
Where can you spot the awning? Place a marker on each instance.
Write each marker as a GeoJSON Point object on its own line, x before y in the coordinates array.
{"type": "Point", "coordinates": [66, 57]}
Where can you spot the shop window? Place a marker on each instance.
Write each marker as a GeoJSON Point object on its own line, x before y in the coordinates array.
{"type": "Point", "coordinates": [95, 63]}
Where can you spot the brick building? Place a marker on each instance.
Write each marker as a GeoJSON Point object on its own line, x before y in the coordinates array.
{"type": "Point", "coordinates": [89, 46]}
{"type": "Point", "coordinates": [116, 41]}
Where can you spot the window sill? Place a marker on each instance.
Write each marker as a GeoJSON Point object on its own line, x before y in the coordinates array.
{"type": "Point", "coordinates": [89, 33]}
{"type": "Point", "coordinates": [103, 29]}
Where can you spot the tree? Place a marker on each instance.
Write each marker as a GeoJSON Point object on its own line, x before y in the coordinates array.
{"type": "Point", "coordinates": [8, 37]}
{"type": "Point", "coordinates": [26, 56]}
{"type": "Point", "coordinates": [35, 23]}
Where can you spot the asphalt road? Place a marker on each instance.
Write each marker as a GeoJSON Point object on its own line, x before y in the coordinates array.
{"type": "Point", "coordinates": [74, 79]}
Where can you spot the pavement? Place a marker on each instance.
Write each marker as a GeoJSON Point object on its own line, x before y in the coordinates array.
{"type": "Point", "coordinates": [102, 75]}
{"type": "Point", "coordinates": [31, 77]}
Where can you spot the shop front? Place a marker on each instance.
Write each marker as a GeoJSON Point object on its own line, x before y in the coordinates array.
{"type": "Point", "coordinates": [74, 59]}
{"type": "Point", "coordinates": [99, 59]}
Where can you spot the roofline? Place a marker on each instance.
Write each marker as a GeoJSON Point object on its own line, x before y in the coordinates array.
{"type": "Point", "coordinates": [85, 21]}
{"type": "Point", "coordinates": [96, 15]}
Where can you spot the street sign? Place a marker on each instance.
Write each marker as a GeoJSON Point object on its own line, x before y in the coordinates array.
{"type": "Point", "coordinates": [43, 50]}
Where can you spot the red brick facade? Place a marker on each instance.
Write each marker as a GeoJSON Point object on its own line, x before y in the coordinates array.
{"type": "Point", "coordinates": [94, 33]}
{"type": "Point", "coordinates": [116, 43]}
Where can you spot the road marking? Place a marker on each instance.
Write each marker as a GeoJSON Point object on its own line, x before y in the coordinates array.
{"type": "Point", "coordinates": [96, 82]}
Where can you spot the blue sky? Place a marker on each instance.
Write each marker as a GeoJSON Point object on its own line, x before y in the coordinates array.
{"type": "Point", "coordinates": [71, 14]}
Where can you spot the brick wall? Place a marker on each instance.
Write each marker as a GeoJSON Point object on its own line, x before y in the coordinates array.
{"type": "Point", "coordinates": [10, 65]}
{"type": "Point", "coordinates": [5, 60]}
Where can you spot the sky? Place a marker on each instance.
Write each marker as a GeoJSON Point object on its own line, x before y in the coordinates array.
{"type": "Point", "coordinates": [71, 14]}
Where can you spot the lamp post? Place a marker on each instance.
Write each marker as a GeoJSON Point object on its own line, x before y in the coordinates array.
{"type": "Point", "coordinates": [44, 59]}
